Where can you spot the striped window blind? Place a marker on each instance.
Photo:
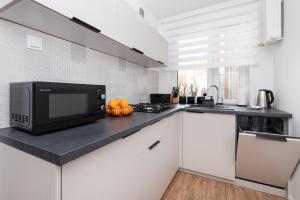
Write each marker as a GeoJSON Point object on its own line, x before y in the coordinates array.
{"type": "Point", "coordinates": [224, 35]}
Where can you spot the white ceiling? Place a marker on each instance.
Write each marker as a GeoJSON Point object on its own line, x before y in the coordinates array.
{"type": "Point", "coordinates": [166, 8]}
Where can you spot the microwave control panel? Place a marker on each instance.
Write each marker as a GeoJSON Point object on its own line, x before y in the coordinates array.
{"type": "Point", "coordinates": [101, 97]}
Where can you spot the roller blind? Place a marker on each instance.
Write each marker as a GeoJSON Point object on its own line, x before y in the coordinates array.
{"type": "Point", "coordinates": [225, 35]}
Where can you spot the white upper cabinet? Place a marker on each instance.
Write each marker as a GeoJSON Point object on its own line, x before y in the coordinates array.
{"type": "Point", "coordinates": [130, 28]}
{"type": "Point", "coordinates": [65, 7]}
{"type": "Point", "coordinates": [137, 33]}
{"type": "Point", "coordinates": [117, 20]}
{"type": "Point", "coordinates": [156, 46]}
{"type": "Point", "coordinates": [98, 13]}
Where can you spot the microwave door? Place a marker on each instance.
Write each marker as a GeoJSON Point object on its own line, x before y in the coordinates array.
{"type": "Point", "coordinates": [55, 106]}
{"type": "Point", "coordinates": [267, 159]}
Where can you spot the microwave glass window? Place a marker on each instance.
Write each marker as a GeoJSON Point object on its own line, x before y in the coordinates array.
{"type": "Point", "coordinates": [62, 105]}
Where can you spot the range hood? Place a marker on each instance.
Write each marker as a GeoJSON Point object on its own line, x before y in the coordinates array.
{"type": "Point", "coordinates": [38, 17]}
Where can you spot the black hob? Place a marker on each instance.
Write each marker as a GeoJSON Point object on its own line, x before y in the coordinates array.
{"type": "Point", "coordinates": [151, 108]}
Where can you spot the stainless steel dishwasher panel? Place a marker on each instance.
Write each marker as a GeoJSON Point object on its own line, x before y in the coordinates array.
{"type": "Point", "coordinates": [267, 158]}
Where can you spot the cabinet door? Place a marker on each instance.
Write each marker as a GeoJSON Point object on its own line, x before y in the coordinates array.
{"type": "Point", "coordinates": [135, 32]}
{"type": "Point", "coordinates": [153, 179]}
{"type": "Point", "coordinates": [27, 177]}
{"type": "Point", "coordinates": [209, 144]}
{"type": "Point", "coordinates": [98, 13]}
{"type": "Point", "coordinates": [156, 45]}
{"type": "Point", "coordinates": [111, 173]}
{"type": "Point", "coordinates": [4, 2]}
{"type": "Point", "coordinates": [64, 7]}
{"type": "Point", "coordinates": [172, 128]}
{"type": "Point", "coordinates": [130, 27]}
{"type": "Point", "coordinates": [160, 159]}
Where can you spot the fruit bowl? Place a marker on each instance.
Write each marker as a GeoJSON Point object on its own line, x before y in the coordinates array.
{"type": "Point", "coordinates": [117, 112]}
{"type": "Point", "coordinates": [119, 107]}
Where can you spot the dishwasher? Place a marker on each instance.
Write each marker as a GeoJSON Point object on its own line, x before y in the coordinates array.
{"type": "Point", "coordinates": [265, 152]}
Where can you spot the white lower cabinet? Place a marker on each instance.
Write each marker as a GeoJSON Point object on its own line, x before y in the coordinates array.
{"type": "Point", "coordinates": [160, 158]}
{"type": "Point", "coordinates": [111, 173]}
{"type": "Point", "coordinates": [209, 144]}
{"type": "Point", "coordinates": [128, 168]}
{"type": "Point", "coordinates": [26, 177]}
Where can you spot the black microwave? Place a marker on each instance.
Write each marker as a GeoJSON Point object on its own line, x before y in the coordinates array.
{"type": "Point", "coordinates": [39, 107]}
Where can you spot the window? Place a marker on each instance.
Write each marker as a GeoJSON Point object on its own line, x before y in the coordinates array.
{"type": "Point", "coordinates": [214, 45]}
{"type": "Point", "coordinates": [224, 35]}
{"type": "Point", "coordinates": [229, 83]}
{"type": "Point", "coordinates": [191, 82]}
{"type": "Point", "coordinates": [228, 79]}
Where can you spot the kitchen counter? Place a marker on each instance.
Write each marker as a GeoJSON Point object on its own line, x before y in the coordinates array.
{"type": "Point", "coordinates": [64, 146]}
{"type": "Point", "coordinates": [241, 110]}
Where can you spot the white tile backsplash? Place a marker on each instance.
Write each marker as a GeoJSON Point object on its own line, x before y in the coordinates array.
{"type": "Point", "coordinates": [61, 61]}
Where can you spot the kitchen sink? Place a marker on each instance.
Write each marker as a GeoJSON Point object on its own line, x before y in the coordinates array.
{"type": "Point", "coordinates": [214, 107]}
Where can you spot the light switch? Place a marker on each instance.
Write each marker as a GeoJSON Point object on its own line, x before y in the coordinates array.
{"type": "Point", "coordinates": [35, 43]}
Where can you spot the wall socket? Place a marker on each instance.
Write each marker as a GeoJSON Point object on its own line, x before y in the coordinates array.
{"type": "Point", "coordinates": [35, 43]}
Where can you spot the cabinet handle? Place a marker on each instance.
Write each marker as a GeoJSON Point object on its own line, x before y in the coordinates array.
{"type": "Point", "coordinates": [85, 25]}
{"type": "Point", "coordinates": [272, 137]}
{"type": "Point", "coordinates": [160, 62]}
{"type": "Point", "coordinates": [190, 111]}
{"type": "Point", "coordinates": [136, 50]}
{"type": "Point", "coordinates": [154, 145]}
{"type": "Point", "coordinates": [268, 136]}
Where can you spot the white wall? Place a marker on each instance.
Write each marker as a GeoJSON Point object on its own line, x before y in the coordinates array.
{"type": "Point", "coordinates": [61, 61]}
{"type": "Point", "coordinates": [167, 80]}
{"type": "Point", "coordinates": [149, 15]}
{"type": "Point", "coordinates": [287, 74]}
{"type": "Point", "coordinates": [262, 75]}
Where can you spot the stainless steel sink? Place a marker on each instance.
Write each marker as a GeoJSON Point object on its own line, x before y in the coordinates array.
{"type": "Point", "coordinates": [215, 107]}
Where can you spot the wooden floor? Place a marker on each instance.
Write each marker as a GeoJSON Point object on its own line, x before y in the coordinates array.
{"type": "Point", "coordinates": [187, 186]}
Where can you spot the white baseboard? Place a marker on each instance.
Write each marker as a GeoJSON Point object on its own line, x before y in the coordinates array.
{"type": "Point", "coordinates": [261, 188]}
{"type": "Point", "coordinates": [243, 183]}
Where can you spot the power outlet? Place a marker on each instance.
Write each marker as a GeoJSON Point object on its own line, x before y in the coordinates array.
{"type": "Point", "coordinates": [35, 43]}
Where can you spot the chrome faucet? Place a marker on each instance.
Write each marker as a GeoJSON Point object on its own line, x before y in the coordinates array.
{"type": "Point", "coordinates": [218, 93]}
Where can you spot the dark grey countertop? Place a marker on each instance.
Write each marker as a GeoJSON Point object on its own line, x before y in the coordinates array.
{"type": "Point", "coordinates": [242, 110]}
{"type": "Point", "coordinates": [64, 146]}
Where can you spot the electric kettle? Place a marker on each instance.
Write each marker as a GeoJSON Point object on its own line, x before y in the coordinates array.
{"type": "Point", "coordinates": [265, 98]}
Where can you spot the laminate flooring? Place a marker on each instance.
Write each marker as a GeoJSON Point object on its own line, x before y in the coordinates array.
{"type": "Point", "coordinates": [186, 186]}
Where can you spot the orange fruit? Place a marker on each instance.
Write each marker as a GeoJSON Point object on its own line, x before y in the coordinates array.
{"type": "Point", "coordinates": [124, 103]}
{"type": "Point", "coordinates": [113, 103]}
